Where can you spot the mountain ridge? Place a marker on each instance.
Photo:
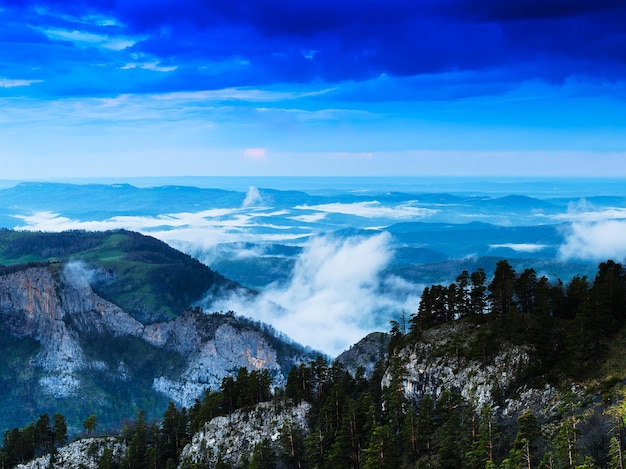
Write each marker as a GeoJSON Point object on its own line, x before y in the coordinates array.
{"type": "Point", "coordinates": [62, 340]}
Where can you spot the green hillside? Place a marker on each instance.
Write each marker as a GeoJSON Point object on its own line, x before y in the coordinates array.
{"type": "Point", "coordinates": [141, 274]}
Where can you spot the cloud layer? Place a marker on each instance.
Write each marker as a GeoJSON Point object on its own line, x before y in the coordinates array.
{"type": "Point", "coordinates": [334, 296]}
{"type": "Point", "coordinates": [193, 44]}
{"type": "Point", "coordinates": [301, 87]}
{"type": "Point", "coordinates": [595, 241]}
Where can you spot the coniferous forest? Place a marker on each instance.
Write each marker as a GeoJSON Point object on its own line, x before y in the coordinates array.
{"type": "Point", "coordinates": [359, 422]}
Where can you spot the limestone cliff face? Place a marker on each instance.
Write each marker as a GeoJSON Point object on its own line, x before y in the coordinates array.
{"type": "Point", "coordinates": [212, 351]}
{"type": "Point", "coordinates": [80, 454]}
{"type": "Point", "coordinates": [234, 436]}
{"type": "Point", "coordinates": [447, 358]}
{"type": "Point", "coordinates": [56, 306]}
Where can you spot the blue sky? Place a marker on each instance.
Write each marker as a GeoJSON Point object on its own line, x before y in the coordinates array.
{"type": "Point", "coordinates": [301, 87]}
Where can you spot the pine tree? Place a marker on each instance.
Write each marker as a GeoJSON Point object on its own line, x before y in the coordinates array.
{"type": "Point", "coordinates": [501, 289]}
{"type": "Point", "coordinates": [452, 434]}
{"type": "Point", "coordinates": [90, 423]}
{"type": "Point", "coordinates": [478, 300]}
{"type": "Point", "coordinates": [525, 290]}
{"type": "Point", "coordinates": [482, 444]}
{"type": "Point", "coordinates": [59, 429]}
{"type": "Point", "coordinates": [425, 428]}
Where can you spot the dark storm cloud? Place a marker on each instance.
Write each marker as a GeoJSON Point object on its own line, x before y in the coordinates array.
{"type": "Point", "coordinates": [212, 44]}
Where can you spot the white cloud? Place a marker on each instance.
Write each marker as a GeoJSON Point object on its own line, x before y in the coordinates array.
{"type": "Point", "coordinates": [597, 241]}
{"type": "Point", "coordinates": [253, 197]}
{"type": "Point", "coordinates": [155, 66]}
{"type": "Point", "coordinates": [589, 215]}
{"type": "Point", "coordinates": [334, 297]}
{"type": "Point", "coordinates": [196, 233]}
{"type": "Point", "coordinates": [372, 209]}
{"type": "Point", "coordinates": [309, 218]}
{"type": "Point", "coordinates": [85, 39]}
{"type": "Point", "coordinates": [14, 83]}
{"type": "Point", "coordinates": [520, 247]}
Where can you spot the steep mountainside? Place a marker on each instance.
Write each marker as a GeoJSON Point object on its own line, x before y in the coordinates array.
{"type": "Point", "coordinates": [62, 346]}
{"type": "Point", "coordinates": [147, 278]}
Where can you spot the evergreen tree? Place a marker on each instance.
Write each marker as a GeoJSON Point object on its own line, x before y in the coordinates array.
{"type": "Point", "coordinates": [481, 451]}
{"type": "Point", "coordinates": [463, 298]}
{"type": "Point", "coordinates": [59, 429]}
{"type": "Point", "coordinates": [501, 289]}
{"type": "Point", "coordinates": [527, 441]}
{"type": "Point", "coordinates": [292, 444]}
{"type": "Point", "coordinates": [43, 434]}
{"type": "Point", "coordinates": [90, 423]}
{"type": "Point", "coordinates": [263, 456]}
{"type": "Point", "coordinates": [137, 437]}
{"type": "Point", "coordinates": [107, 460]}
{"type": "Point", "coordinates": [425, 429]}
{"type": "Point", "coordinates": [478, 300]}
{"type": "Point", "coordinates": [173, 432]}
{"type": "Point", "coordinates": [525, 290]}
{"type": "Point", "coordinates": [452, 434]}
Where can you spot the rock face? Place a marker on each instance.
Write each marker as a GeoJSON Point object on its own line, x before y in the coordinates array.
{"type": "Point", "coordinates": [448, 358]}
{"type": "Point", "coordinates": [234, 436]}
{"type": "Point", "coordinates": [81, 454]}
{"type": "Point", "coordinates": [75, 328]}
{"type": "Point", "coordinates": [365, 353]}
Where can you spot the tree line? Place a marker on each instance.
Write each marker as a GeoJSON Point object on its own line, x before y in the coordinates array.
{"type": "Point", "coordinates": [23, 444]}
{"type": "Point", "coordinates": [568, 323]}
{"type": "Point", "coordinates": [369, 423]}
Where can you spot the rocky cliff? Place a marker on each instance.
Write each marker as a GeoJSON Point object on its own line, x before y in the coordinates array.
{"type": "Point", "coordinates": [81, 454]}
{"type": "Point", "coordinates": [233, 437]}
{"type": "Point", "coordinates": [452, 357]}
{"type": "Point", "coordinates": [91, 348]}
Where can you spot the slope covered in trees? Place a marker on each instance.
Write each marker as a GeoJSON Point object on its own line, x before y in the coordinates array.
{"type": "Point", "coordinates": [570, 325]}
{"type": "Point", "coordinates": [576, 335]}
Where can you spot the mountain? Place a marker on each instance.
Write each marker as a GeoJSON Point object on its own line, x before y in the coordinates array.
{"type": "Point", "coordinates": [464, 394]}
{"type": "Point", "coordinates": [146, 277]}
{"type": "Point", "coordinates": [103, 323]}
{"type": "Point", "coordinates": [531, 376]}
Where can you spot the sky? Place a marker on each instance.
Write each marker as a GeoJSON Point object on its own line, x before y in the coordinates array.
{"type": "Point", "coordinates": [110, 88]}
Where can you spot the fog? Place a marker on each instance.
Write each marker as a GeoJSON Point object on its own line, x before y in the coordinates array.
{"type": "Point", "coordinates": [336, 295]}
{"type": "Point", "coordinates": [593, 233]}
{"type": "Point", "coordinates": [595, 241]}
{"type": "Point", "coordinates": [340, 288]}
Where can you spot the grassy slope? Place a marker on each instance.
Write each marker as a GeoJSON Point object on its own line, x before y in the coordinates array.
{"type": "Point", "coordinates": [143, 275]}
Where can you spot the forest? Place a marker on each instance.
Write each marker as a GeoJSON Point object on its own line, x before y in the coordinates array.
{"type": "Point", "coordinates": [359, 422]}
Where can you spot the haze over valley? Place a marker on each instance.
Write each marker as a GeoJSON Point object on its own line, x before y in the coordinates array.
{"type": "Point", "coordinates": [342, 257]}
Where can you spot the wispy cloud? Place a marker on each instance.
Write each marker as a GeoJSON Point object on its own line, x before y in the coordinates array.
{"type": "Point", "coordinates": [194, 233]}
{"type": "Point", "coordinates": [14, 83]}
{"type": "Point", "coordinates": [520, 247]}
{"type": "Point", "coordinates": [89, 39]}
{"type": "Point", "coordinates": [309, 217]}
{"type": "Point", "coordinates": [334, 297]}
{"type": "Point", "coordinates": [595, 241]}
{"type": "Point", "coordinates": [155, 66]}
{"type": "Point", "coordinates": [372, 210]}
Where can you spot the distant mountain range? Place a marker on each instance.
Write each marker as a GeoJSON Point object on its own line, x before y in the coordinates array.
{"type": "Point", "coordinates": [266, 239]}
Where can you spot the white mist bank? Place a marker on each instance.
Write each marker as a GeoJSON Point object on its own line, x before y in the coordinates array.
{"type": "Point", "coordinates": [335, 296]}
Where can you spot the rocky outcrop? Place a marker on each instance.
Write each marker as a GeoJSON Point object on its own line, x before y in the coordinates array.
{"type": "Point", "coordinates": [448, 358]}
{"type": "Point", "coordinates": [211, 357]}
{"type": "Point", "coordinates": [56, 306]}
{"type": "Point", "coordinates": [234, 436]}
{"type": "Point", "coordinates": [366, 353]}
{"type": "Point", "coordinates": [80, 454]}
